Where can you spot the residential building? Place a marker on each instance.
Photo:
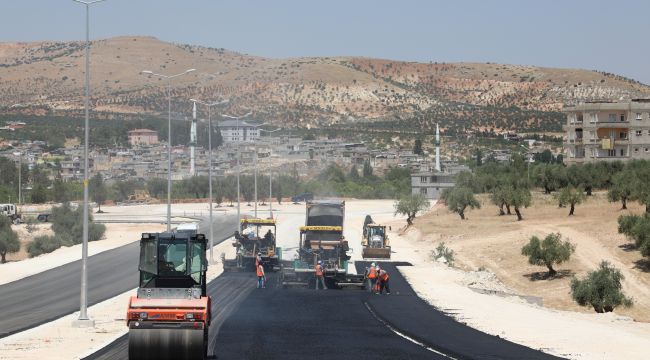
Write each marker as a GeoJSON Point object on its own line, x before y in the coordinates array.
{"type": "Point", "coordinates": [143, 137]}
{"type": "Point", "coordinates": [607, 131]}
{"type": "Point", "coordinates": [237, 131]}
{"type": "Point", "coordinates": [432, 183]}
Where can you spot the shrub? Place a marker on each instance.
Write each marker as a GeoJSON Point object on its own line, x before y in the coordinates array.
{"type": "Point", "coordinates": [442, 251]}
{"type": "Point", "coordinates": [9, 242]}
{"type": "Point", "coordinates": [43, 245]}
{"type": "Point", "coordinates": [601, 289]}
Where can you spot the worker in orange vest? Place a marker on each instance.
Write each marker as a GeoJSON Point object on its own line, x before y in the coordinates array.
{"type": "Point", "coordinates": [261, 277]}
{"type": "Point", "coordinates": [258, 259]}
{"type": "Point", "coordinates": [383, 281]}
{"type": "Point", "coordinates": [371, 274]}
{"type": "Point", "coordinates": [320, 277]}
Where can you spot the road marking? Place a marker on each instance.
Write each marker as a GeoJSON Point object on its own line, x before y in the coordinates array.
{"type": "Point", "coordinates": [401, 334]}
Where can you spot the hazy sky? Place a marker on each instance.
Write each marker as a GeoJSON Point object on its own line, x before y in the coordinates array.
{"type": "Point", "coordinates": [592, 34]}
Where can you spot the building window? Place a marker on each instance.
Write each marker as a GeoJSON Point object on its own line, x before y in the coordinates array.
{"type": "Point", "coordinates": [423, 191]}
{"type": "Point", "coordinates": [593, 118]}
{"type": "Point", "coordinates": [622, 152]}
{"type": "Point", "coordinates": [639, 133]}
{"type": "Point", "coordinates": [647, 149]}
{"type": "Point", "coordinates": [638, 116]}
{"type": "Point", "coordinates": [612, 117]}
{"type": "Point", "coordinates": [423, 179]}
{"type": "Point", "coordinates": [636, 150]}
{"type": "Point", "coordinates": [622, 117]}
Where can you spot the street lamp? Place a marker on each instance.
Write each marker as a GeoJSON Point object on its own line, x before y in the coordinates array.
{"type": "Point", "coordinates": [210, 105]}
{"type": "Point", "coordinates": [270, 178]}
{"type": "Point", "coordinates": [238, 164]}
{"type": "Point", "coordinates": [84, 320]}
{"type": "Point", "coordinates": [169, 138]}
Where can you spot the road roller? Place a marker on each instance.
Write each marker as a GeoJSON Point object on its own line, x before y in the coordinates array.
{"type": "Point", "coordinates": [170, 316]}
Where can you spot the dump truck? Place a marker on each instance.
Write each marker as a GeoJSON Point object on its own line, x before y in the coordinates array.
{"type": "Point", "coordinates": [321, 239]}
{"type": "Point", "coordinates": [375, 240]}
{"type": "Point", "coordinates": [256, 236]}
{"type": "Point", "coordinates": [170, 316]}
{"type": "Point", "coordinates": [11, 211]}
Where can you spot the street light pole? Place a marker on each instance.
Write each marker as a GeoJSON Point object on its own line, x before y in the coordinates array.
{"type": "Point", "coordinates": [210, 105]}
{"type": "Point", "coordinates": [84, 320]}
{"type": "Point", "coordinates": [169, 138]}
{"type": "Point", "coordinates": [270, 178]}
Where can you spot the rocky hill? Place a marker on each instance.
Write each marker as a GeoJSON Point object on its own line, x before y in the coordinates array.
{"type": "Point", "coordinates": [46, 77]}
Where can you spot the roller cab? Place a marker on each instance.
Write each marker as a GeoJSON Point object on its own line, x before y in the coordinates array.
{"type": "Point", "coordinates": [375, 241]}
{"type": "Point", "coordinates": [170, 316]}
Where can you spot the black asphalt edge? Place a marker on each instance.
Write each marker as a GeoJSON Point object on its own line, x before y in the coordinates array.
{"type": "Point", "coordinates": [413, 338]}
{"type": "Point", "coordinates": [106, 348]}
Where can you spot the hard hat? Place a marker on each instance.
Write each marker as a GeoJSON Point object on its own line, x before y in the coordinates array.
{"type": "Point", "coordinates": [373, 264]}
{"type": "Point", "coordinates": [320, 261]}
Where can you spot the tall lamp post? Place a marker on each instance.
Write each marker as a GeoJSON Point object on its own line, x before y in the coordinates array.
{"type": "Point", "coordinates": [209, 106]}
{"type": "Point", "coordinates": [169, 138]}
{"type": "Point", "coordinates": [270, 177]}
{"type": "Point", "coordinates": [238, 165]}
{"type": "Point", "coordinates": [84, 320]}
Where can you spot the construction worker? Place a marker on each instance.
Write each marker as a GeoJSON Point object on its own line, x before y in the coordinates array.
{"type": "Point", "coordinates": [260, 277]}
{"type": "Point", "coordinates": [372, 277]}
{"type": "Point", "coordinates": [320, 276]}
{"type": "Point", "coordinates": [258, 259]}
{"type": "Point", "coordinates": [383, 281]}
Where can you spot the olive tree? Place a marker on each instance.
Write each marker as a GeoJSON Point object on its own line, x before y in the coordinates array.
{"type": "Point", "coordinates": [622, 187]}
{"type": "Point", "coordinates": [570, 196]}
{"type": "Point", "coordinates": [459, 198]}
{"type": "Point", "coordinates": [600, 289]}
{"type": "Point", "coordinates": [9, 242]}
{"type": "Point", "coordinates": [410, 205]}
{"type": "Point", "coordinates": [548, 252]}
{"type": "Point", "coordinates": [519, 197]}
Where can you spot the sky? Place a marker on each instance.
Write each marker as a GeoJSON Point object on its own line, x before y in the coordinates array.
{"type": "Point", "coordinates": [590, 34]}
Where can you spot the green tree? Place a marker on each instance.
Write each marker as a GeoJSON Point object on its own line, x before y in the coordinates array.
{"type": "Point", "coordinates": [367, 169]}
{"type": "Point", "coordinates": [43, 244]}
{"type": "Point", "coordinates": [157, 187]}
{"type": "Point", "coordinates": [600, 289]}
{"type": "Point", "coordinates": [38, 194]}
{"type": "Point", "coordinates": [622, 187]}
{"type": "Point", "coordinates": [570, 196]}
{"type": "Point", "coordinates": [410, 205]}
{"type": "Point", "coordinates": [354, 174]}
{"type": "Point", "coordinates": [417, 147]}
{"type": "Point", "coordinates": [478, 156]}
{"type": "Point", "coordinates": [98, 191]}
{"type": "Point", "coordinates": [459, 198]}
{"type": "Point", "coordinates": [67, 225]}
{"type": "Point", "coordinates": [9, 242]}
{"type": "Point", "coordinates": [637, 228]}
{"type": "Point", "coordinates": [59, 191]}
{"type": "Point", "coordinates": [548, 252]}
{"type": "Point", "coordinates": [519, 197]}
{"type": "Point", "coordinates": [500, 198]}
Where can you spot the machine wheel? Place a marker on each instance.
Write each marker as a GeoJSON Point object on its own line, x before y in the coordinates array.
{"type": "Point", "coordinates": [179, 343]}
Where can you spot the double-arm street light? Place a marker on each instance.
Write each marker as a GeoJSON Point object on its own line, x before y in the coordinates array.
{"type": "Point", "coordinates": [84, 320]}
{"type": "Point", "coordinates": [209, 106]}
{"type": "Point", "coordinates": [169, 137]}
{"type": "Point", "coordinates": [238, 165]}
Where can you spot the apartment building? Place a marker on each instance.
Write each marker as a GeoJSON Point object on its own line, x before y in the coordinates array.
{"type": "Point", "coordinates": [607, 131]}
{"type": "Point", "coordinates": [233, 131]}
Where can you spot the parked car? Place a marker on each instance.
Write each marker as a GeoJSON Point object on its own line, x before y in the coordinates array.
{"type": "Point", "coordinates": [43, 217]}
{"type": "Point", "coordinates": [302, 197]}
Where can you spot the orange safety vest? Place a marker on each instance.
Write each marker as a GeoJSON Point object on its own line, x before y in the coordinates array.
{"type": "Point", "coordinates": [260, 270]}
{"type": "Point", "coordinates": [319, 270]}
{"type": "Point", "coordinates": [383, 276]}
{"type": "Point", "coordinates": [372, 273]}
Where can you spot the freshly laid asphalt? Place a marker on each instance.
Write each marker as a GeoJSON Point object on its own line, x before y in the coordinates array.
{"type": "Point", "coordinates": [276, 323]}
{"type": "Point", "coordinates": [46, 296]}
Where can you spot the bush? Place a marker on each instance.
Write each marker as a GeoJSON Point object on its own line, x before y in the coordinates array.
{"type": "Point", "coordinates": [601, 289]}
{"type": "Point", "coordinates": [9, 242]}
{"type": "Point", "coordinates": [638, 229]}
{"type": "Point", "coordinates": [43, 245]}
{"type": "Point", "coordinates": [442, 251]}
{"type": "Point", "coordinates": [67, 224]}
{"type": "Point", "coordinates": [548, 252]}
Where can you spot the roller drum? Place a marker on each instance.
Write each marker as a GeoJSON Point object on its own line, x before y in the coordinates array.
{"type": "Point", "coordinates": [167, 342]}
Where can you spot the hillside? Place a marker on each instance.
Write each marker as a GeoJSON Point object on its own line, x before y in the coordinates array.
{"type": "Point", "coordinates": [41, 78]}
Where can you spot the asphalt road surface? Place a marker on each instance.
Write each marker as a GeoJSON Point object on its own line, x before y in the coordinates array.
{"type": "Point", "coordinates": [277, 323]}
{"type": "Point", "coordinates": [47, 296]}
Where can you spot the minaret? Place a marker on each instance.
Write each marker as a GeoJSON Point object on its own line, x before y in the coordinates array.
{"type": "Point", "coordinates": [193, 142]}
{"type": "Point", "coordinates": [437, 148]}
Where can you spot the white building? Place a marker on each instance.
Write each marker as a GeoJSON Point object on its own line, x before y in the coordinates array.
{"type": "Point", "coordinates": [233, 131]}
